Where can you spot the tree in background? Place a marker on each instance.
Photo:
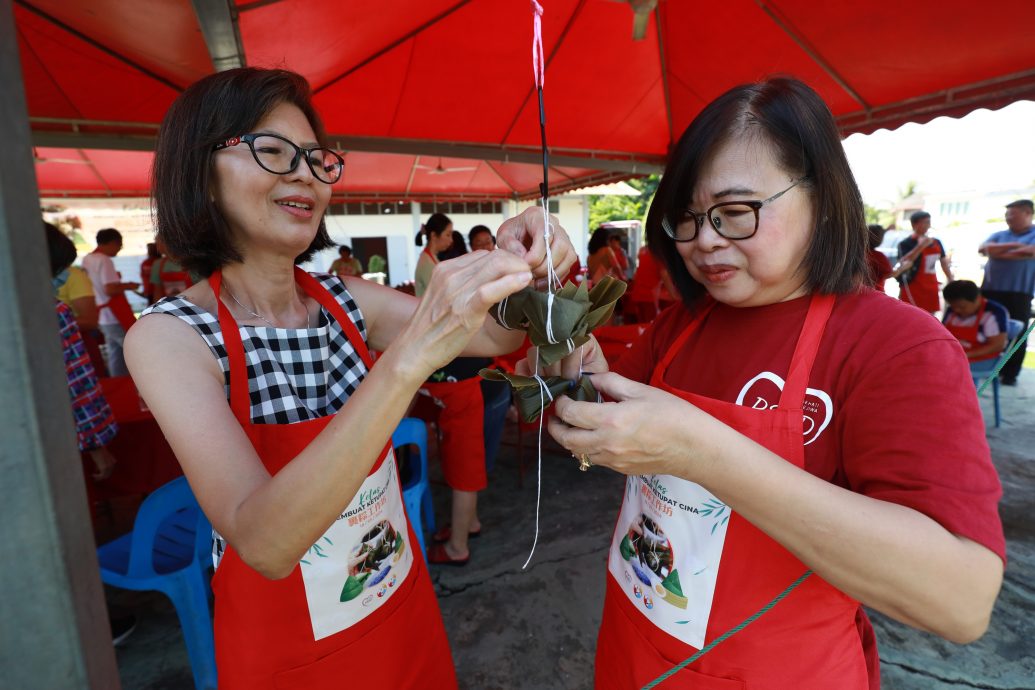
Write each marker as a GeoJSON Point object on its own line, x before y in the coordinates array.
{"type": "Point", "coordinates": [613, 207]}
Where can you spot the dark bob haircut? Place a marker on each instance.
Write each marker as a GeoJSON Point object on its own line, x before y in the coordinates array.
{"type": "Point", "coordinates": [60, 249]}
{"type": "Point", "coordinates": [598, 240]}
{"type": "Point", "coordinates": [793, 121]}
{"type": "Point", "coordinates": [212, 110]}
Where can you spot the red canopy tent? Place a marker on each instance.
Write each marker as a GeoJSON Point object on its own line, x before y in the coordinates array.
{"type": "Point", "coordinates": [452, 79]}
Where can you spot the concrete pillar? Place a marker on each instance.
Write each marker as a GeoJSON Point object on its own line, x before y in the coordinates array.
{"type": "Point", "coordinates": [53, 623]}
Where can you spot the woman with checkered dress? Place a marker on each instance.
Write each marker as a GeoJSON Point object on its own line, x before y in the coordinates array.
{"type": "Point", "coordinates": [277, 413]}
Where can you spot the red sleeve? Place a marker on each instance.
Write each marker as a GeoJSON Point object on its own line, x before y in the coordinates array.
{"type": "Point", "coordinates": [912, 434]}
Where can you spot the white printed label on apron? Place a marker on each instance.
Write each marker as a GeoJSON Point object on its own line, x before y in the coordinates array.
{"type": "Point", "coordinates": [666, 550]}
{"type": "Point", "coordinates": [362, 560]}
{"type": "Point", "coordinates": [931, 262]}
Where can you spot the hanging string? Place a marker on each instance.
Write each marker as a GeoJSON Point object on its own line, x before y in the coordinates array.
{"type": "Point", "coordinates": [544, 393]}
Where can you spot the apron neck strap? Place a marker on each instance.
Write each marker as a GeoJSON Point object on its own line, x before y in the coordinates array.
{"type": "Point", "coordinates": [240, 402]}
{"type": "Point", "coordinates": [820, 307]}
{"type": "Point", "coordinates": [676, 346]}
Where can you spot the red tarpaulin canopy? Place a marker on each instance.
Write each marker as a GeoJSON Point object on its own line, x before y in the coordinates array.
{"type": "Point", "coordinates": [453, 78]}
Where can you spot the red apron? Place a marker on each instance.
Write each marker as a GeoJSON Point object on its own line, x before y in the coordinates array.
{"type": "Point", "coordinates": [462, 450]}
{"type": "Point", "coordinates": [120, 308]}
{"type": "Point", "coordinates": [173, 282]}
{"type": "Point", "coordinates": [356, 611]}
{"type": "Point", "coordinates": [923, 291]}
{"type": "Point", "coordinates": [683, 570]}
{"type": "Point", "coordinates": [968, 335]}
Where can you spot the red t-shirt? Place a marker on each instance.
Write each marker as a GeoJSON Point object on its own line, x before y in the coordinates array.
{"type": "Point", "coordinates": [891, 412]}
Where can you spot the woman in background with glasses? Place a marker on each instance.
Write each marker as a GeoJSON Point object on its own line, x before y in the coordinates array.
{"type": "Point", "coordinates": [785, 418]}
{"type": "Point", "coordinates": [278, 415]}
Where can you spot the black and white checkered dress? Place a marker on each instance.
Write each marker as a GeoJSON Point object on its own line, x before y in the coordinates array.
{"type": "Point", "coordinates": [294, 374]}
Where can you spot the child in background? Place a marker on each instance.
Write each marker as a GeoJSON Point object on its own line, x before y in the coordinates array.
{"type": "Point", "coordinates": [978, 323]}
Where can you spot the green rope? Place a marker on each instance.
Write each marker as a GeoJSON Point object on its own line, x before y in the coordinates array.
{"type": "Point", "coordinates": [1005, 358]}
{"type": "Point", "coordinates": [728, 633]}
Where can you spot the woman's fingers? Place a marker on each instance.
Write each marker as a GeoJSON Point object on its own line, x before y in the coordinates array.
{"type": "Point", "coordinates": [585, 359]}
{"type": "Point", "coordinates": [523, 237]}
{"type": "Point", "coordinates": [618, 388]}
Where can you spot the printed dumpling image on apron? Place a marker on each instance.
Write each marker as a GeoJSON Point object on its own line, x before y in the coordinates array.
{"type": "Point", "coordinates": [371, 561]}
{"type": "Point", "coordinates": [649, 553]}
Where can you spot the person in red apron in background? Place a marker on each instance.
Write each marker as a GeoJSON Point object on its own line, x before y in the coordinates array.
{"type": "Point", "coordinates": [268, 394]}
{"type": "Point", "coordinates": [114, 313]}
{"type": "Point", "coordinates": [456, 391]}
{"type": "Point", "coordinates": [760, 428]}
{"type": "Point", "coordinates": [920, 287]}
{"type": "Point", "coordinates": [168, 277]}
{"type": "Point", "coordinates": [978, 323]}
{"type": "Point", "coordinates": [146, 287]}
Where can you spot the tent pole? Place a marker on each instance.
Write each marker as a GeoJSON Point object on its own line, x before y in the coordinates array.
{"type": "Point", "coordinates": [55, 627]}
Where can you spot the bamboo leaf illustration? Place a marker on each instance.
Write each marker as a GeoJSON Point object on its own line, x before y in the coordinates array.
{"type": "Point", "coordinates": [305, 561]}
{"type": "Point", "coordinates": [701, 570]}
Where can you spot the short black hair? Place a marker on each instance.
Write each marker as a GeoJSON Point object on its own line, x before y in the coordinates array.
{"type": "Point", "coordinates": [108, 235]}
{"type": "Point", "coordinates": [918, 216]}
{"type": "Point", "coordinates": [961, 289]}
{"type": "Point", "coordinates": [437, 224]}
{"type": "Point", "coordinates": [477, 230]}
{"type": "Point", "coordinates": [210, 111]}
{"type": "Point", "coordinates": [876, 232]}
{"type": "Point", "coordinates": [598, 239]}
{"type": "Point", "coordinates": [60, 249]}
{"type": "Point", "coordinates": [798, 127]}
{"type": "Point", "coordinates": [344, 249]}
{"type": "Point", "coordinates": [1022, 203]}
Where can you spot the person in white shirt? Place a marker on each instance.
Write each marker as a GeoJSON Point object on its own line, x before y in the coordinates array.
{"type": "Point", "coordinates": [109, 289]}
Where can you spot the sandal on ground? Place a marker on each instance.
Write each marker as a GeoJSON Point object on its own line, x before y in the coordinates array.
{"type": "Point", "coordinates": [443, 535]}
{"type": "Point", "coordinates": [438, 555]}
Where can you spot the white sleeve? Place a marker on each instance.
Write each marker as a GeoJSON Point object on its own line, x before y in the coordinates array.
{"type": "Point", "coordinates": [108, 272]}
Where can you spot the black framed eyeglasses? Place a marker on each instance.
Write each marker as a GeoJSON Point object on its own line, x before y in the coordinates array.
{"type": "Point", "coordinates": [280, 156]}
{"type": "Point", "coordinates": [734, 220]}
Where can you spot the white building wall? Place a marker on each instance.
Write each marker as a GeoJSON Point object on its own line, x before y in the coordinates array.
{"type": "Point", "coordinates": [400, 230]}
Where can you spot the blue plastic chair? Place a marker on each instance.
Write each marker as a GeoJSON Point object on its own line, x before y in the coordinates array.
{"type": "Point", "coordinates": [980, 371]}
{"type": "Point", "coordinates": [169, 550]}
{"type": "Point", "coordinates": [417, 489]}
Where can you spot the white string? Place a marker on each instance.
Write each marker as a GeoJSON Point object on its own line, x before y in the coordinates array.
{"type": "Point", "coordinates": [501, 311]}
{"type": "Point", "coordinates": [539, 463]}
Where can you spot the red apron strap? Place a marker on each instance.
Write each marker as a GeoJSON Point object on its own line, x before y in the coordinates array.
{"type": "Point", "coordinates": [240, 401]}
{"type": "Point", "coordinates": [314, 289]}
{"type": "Point", "coordinates": [793, 395]}
{"type": "Point", "coordinates": [677, 345]}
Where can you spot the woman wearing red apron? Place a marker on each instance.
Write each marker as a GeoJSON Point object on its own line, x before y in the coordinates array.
{"type": "Point", "coordinates": [456, 390]}
{"type": "Point", "coordinates": [759, 424]}
{"type": "Point", "coordinates": [172, 278]}
{"type": "Point", "coordinates": [278, 415]}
